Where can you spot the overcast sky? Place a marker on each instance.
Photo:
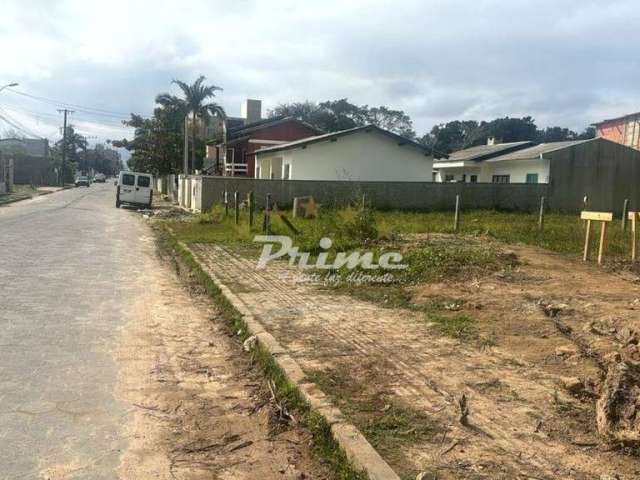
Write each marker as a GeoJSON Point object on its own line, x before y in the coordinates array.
{"type": "Point", "coordinates": [565, 63]}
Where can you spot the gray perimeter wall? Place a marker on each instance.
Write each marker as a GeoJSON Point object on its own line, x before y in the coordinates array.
{"type": "Point", "coordinates": [383, 195]}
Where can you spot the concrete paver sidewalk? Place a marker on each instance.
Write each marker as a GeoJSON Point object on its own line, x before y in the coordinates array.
{"type": "Point", "coordinates": [322, 330]}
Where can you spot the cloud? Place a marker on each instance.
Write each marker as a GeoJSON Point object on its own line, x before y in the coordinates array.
{"type": "Point", "coordinates": [567, 63]}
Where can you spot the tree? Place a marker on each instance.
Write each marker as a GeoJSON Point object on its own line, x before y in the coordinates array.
{"type": "Point", "coordinates": [194, 103]}
{"type": "Point", "coordinates": [451, 136]}
{"type": "Point", "coordinates": [336, 115]}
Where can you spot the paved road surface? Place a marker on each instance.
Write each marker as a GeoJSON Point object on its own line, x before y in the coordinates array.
{"type": "Point", "coordinates": [111, 368]}
{"type": "Point", "coordinates": [67, 274]}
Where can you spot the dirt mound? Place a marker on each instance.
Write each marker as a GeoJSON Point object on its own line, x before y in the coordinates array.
{"type": "Point", "coordinates": [618, 409]}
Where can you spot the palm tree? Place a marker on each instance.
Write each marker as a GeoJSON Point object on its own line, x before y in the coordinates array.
{"type": "Point", "coordinates": [194, 103]}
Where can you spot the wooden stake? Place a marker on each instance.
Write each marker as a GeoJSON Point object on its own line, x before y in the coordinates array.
{"type": "Point", "coordinates": [603, 229]}
{"type": "Point", "coordinates": [250, 199]}
{"type": "Point", "coordinates": [236, 200]}
{"type": "Point", "coordinates": [586, 241]}
{"type": "Point", "coordinates": [456, 218]}
{"type": "Point", "coordinates": [625, 209]}
{"type": "Point", "coordinates": [541, 215]}
{"type": "Point", "coordinates": [266, 223]}
{"type": "Point", "coordinates": [226, 203]}
{"type": "Point", "coordinates": [633, 216]}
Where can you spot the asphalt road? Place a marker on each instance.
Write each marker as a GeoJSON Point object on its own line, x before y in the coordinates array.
{"type": "Point", "coordinates": [68, 274]}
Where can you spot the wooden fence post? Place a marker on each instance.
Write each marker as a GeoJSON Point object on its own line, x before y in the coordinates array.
{"type": "Point", "coordinates": [226, 203]}
{"type": "Point", "coordinates": [541, 215]}
{"type": "Point", "coordinates": [266, 224]}
{"type": "Point", "coordinates": [625, 209]}
{"type": "Point", "coordinates": [456, 217]}
{"type": "Point", "coordinates": [633, 216]}
{"type": "Point", "coordinates": [251, 208]}
{"type": "Point", "coordinates": [236, 199]}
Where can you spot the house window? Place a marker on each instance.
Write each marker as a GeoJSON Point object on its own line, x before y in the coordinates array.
{"type": "Point", "coordinates": [464, 177]}
{"type": "Point", "coordinates": [287, 171]}
{"type": "Point", "coordinates": [230, 155]}
{"type": "Point", "coordinates": [448, 178]}
{"type": "Point", "coordinates": [532, 178]}
{"type": "Point", "coordinates": [473, 179]}
{"type": "Point", "coordinates": [500, 179]}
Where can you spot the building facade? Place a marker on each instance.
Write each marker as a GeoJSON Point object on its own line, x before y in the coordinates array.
{"type": "Point", "coordinates": [359, 154]}
{"type": "Point", "coordinates": [235, 155]}
{"type": "Point", "coordinates": [624, 130]}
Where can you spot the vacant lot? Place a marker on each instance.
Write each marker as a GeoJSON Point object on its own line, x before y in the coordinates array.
{"type": "Point", "coordinates": [543, 347]}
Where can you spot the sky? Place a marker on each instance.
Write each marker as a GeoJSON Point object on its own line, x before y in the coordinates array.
{"type": "Point", "coordinates": [567, 63]}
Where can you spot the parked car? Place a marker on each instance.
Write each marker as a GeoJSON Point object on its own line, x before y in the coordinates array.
{"type": "Point", "coordinates": [99, 178]}
{"type": "Point", "coordinates": [134, 188]}
{"type": "Point", "coordinates": [83, 181]}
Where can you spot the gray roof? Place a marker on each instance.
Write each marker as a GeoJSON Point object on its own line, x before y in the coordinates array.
{"type": "Point", "coordinates": [330, 136]}
{"type": "Point", "coordinates": [536, 151]}
{"type": "Point", "coordinates": [483, 152]}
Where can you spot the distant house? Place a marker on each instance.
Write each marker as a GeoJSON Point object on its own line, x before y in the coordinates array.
{"type": "Point", "coordinates": [366, 153]}
{"type": "Point", "coordinates": [232, 152]}
{"type": "Point", "coordinates": [624, 130]}
{"type": "Point", "coordinates": [470, 164]}
{"type": "Point", "coordinates": [30, 159]}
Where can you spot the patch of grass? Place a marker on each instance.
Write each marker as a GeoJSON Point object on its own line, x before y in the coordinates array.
{"type": "Point", "coordinates": [563, 233]}
{"type": "Point", "coordinates": [455, 325]}
{"type": "Point", "coordinates": [391, 426]}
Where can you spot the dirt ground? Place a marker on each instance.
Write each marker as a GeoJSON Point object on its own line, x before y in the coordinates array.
{"type": "Point", "coordinates": [199, 408]}
{"type": "Point", "coordinates": [518, 399]}
{"type": "Point", "coordinates": [564, 318]}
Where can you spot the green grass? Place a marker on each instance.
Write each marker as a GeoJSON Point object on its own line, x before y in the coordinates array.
{"type": "Point", "coordinates": [25, 189]}
{"type": "Point", "coordinates": [453, 325]}
{"type": "Point", "coordinates": [563, 233]}
{"type": "Point", "coordinates": [392, 427]}
{"type": "Point", "coordinates": [350, 228]}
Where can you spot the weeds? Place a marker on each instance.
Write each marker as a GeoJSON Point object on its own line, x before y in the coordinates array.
{"type": "Point", "coordinates": [456, 326]}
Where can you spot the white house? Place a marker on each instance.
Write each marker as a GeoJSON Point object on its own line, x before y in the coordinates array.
{"type": "Point", "coordinates": [516, 162]}
{"type": "Point", "coordinates": [366, 153]}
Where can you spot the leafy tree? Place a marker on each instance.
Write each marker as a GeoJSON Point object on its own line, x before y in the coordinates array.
{"type": "Point", "coordinates": [336, 115]}
{"type": "Point", "coordinates": [456, 135]}
{"type": "Point", "coordinates": [194, 103]}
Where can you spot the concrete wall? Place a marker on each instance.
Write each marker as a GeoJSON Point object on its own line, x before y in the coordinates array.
{"type": "Point", "coordinates": [386, 195]}
{"type": "Point", "coordinates": [361, 156]}
{"type": "Point", "coordinates": [6, 174]}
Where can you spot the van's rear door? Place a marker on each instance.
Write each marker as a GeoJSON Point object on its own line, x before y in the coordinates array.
{"type": "Point", "coordinates": [143, 189]}
{"type": "Point", "coordinates": [127, 188]}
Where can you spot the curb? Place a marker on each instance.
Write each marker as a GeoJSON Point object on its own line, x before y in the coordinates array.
{"type": "Point", "coordinates": [358, 450]}
{"type": "Point", "coordinates": [31, 197]}
{"type": "Point", "coordinates": [14, 200]}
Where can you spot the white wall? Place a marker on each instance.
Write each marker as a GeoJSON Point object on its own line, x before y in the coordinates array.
{"type": "Point", "coordinates": [516, 169]}
{"type": "Point", "coordinates": [363, 156]}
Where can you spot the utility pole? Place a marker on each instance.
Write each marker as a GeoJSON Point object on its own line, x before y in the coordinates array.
{"type": "Point", "coordinates": [64, 143]}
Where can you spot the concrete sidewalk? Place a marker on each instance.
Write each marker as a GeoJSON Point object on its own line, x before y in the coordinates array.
{"type": "Point", "coordinates": [418, 367]}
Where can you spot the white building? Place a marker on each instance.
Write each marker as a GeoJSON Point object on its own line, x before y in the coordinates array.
{"type": "Point", "coordinates": [516, 162]}
{"type": "Point", "coordinates": [366, 153]}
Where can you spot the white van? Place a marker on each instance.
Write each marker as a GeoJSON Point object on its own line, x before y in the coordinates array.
{"type": "Point", "coordinates": [134, 188]}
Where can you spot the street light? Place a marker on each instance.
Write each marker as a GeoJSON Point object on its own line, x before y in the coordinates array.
{"type": "Point", "coordinates": [14, 84]}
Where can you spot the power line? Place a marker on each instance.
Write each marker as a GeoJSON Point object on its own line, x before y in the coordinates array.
{"type": "Point", "coordinates": [44, 116]}
{"type": "Point", "coordinates": [16, 124]}
{"type": "Point", "coordinates": [91, 110]}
